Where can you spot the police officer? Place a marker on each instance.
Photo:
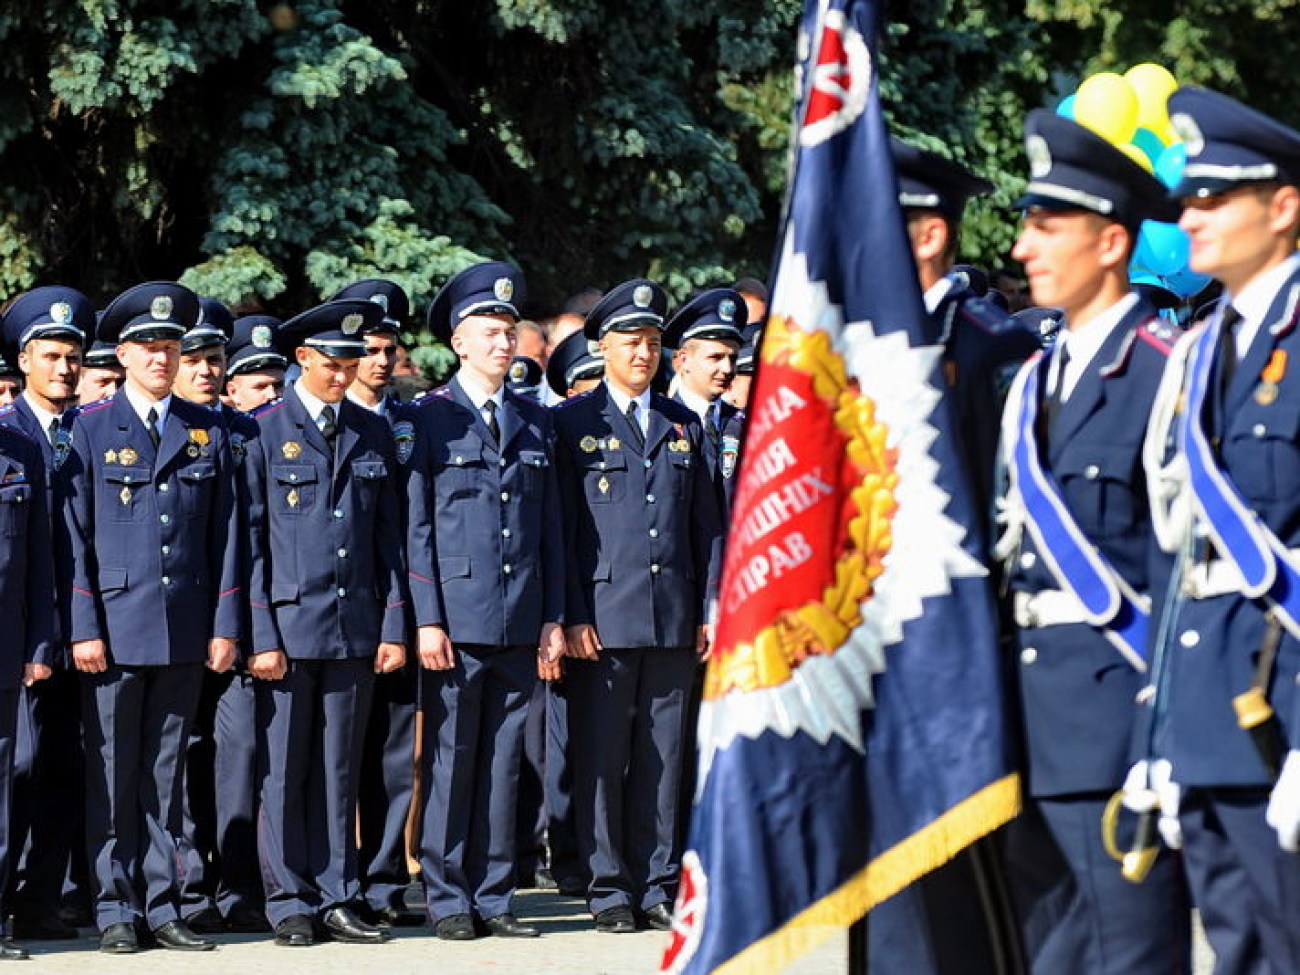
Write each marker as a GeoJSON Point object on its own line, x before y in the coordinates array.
{"type": "Point", "coordinates": [27, 604]}
{"type": "Point", "coordinates": [1228, 721]}
{"type": "Point", "coordinates": [387, 787]}
{"type": "Point", "coordinates": [487, 584]}
{"type": "Point", "coordinates": [101, 374]}
{"type": "Point", "coordinates": [1079, 548]}
{"type": "Point", "coordinates": [44, 331]}
{"type": "Point", "coordinates": [327, 589]}
{"type": "Point", "coordinates": [222, 884]}
{"type": "Point", "coordinates": [707, 333]}
{"type": "Point", "coordinates": [11, 381]}
{"type": "Point", "coordinates": [155, 595]}
{"type": "Point", "coordinates": [574, 367]}
{"type": "Point", "coordinates": [254, 366]}
{"type": "Point", "coordinates": [643, 529]}
{"type": "Point", "coordinates": [525, 377]}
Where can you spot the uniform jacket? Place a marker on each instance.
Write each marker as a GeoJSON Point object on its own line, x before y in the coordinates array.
{"type": "Point", "coordinates": [326, 575]}
{"type": "Point", "coordinates": [1077, 690]}
{"type": "Point", "coordinates": [642, 527]}
{"type": "Point", "coordinates": [722, 452]}
{"type": "Point", "coordinates": [484, 536]}
{"type": "Point", "coordinates": [152, 537]}
{"type": "Point", "coordinates": [27, 581]}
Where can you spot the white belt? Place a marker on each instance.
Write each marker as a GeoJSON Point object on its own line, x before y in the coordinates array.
{"type": "Point", "coordinates": [1049, 607]}
{"type": "Point", "coordinates": [1218, 577]}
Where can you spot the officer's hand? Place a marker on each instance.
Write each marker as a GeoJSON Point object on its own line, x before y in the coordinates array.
{"type": "Point", "coordinates": [35, 672]}
{"type": "Point", "coordinates": [1150, 787]}
{"type": "Point", "coordinates": [1283, 812]}
{"type": "Point", "coordinates": [389, 657]}
{"type": "Point", "coordinates": [703, 640]}
{"type": "Point", "coordinates": [221, 654]}
{"type": "Point", "coordinates": [582, 642]}
{"type": "Point", "coordinates": [549, 670]}
{"type": "Point", "coordinates": [268, 665]}
{"type": "Point", "coordinates": [90, 656]}
{"type": "Point", "coordinates": [436, 651]}
{"type": "Point", "coordinates": [550, 647]}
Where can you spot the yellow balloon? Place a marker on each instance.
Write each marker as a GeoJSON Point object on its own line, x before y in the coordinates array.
{"type": "Point", "coordinates": [1107, 104]}
{"type": "Point", "coordinates": [1137, 155]}
{"type": "Point", "coordinates": [1153, 84]}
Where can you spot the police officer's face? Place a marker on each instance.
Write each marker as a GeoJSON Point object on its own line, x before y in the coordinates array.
{"type": "Point", "coordinates": [738, 394]}
{"type": "Point", "coordinates": [1237, 234]}
{"type": "Point", "coordinates": [631, 358]}
{"type": "Point", "coordinates": [326, 378]}
{"type": "Point", "coordinates": [52, 367]}
{"type": "Point", "coordinates": [1067, 255]}
{"type": "Point", "coordinates": [376, 367]}
{"type": "Point", "coordinates": [151, 366]}
{"type": "Point", "coordinates": [249, 390]}
{"type": "Point", "coordinates": [706, 367]}
{"type": "Point", "coordinates": [486, 346]}
{"type": "Point", "coordinates": [10, 389]}
{"type": "Point", "coordinates": [199, 377]}
{"type": "Point", "coordinates": [98, 382]}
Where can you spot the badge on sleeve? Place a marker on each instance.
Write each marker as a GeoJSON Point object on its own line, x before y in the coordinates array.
{"type": "Point", "coordinates": [404, 436]}
{"type": "Point", "coordinates": [729, 455]}
{"type": "Point", "coordinates": [62, 446]}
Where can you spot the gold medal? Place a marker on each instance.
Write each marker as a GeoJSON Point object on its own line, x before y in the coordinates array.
{"type": "Point", "coordinates": [125, 495]}
{"type": "Point", "coordinates": [110, 457]}
{"type": "Point", "coordinates": [682, 446]}
{"type": "Point", "coordinates": [614, 443]}
{"type": "Point", "coordinates": [128, 456]}
{"type": "Point", "coordinates": [292, 497]}
{"type": "Point", "coordinates": [1266, 394]}
{"type": "Point", "coordinates": [587, 444]}
{"type": "Point", "coordinates": [291, 449]}
{"type": "Point", "coordinates": [199, 436]}
{"type": "Point", "coordinates": [603, 484]}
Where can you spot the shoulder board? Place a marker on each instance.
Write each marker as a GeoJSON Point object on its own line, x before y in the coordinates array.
{"type": "Point", "coordinates": [1158, 333]}
{"type": "Point", "coordinates": [984, 314]}
{"type": "Point", "coordinates": [266, 408]}
{"type": "Point", "coordinates": [18, 433]}
{"type": "Point", "coordinates": [8, 410]}
{"type": "Point", "coordinates": [95, 407]}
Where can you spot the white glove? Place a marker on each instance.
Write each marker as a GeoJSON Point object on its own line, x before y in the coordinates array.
{"type": "Point", "coordinates": [1284, 804]}
{"type": "Point", "coordinates": [1149, 786]}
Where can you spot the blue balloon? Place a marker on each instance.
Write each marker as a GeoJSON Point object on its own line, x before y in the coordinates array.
{"type": "Point", "coordinates": [1066, 108]}
{"type": "Point", "coordinates": [1163, 248]}
{"type": "Point", "coordinates": [1149, 143]}
{"type": "Point", "coordinates": [1169, 164]}
{"type": "Point", "coordinates": [1186, 282]}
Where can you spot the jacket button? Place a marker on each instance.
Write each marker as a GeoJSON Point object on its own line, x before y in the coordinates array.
{"type": "Point", "coordinates": [293, 477]}
{"type": "Point", "coordinates": [164, 487]}
{"type": "Point", "coordinates": [1028, 655]}
{"type": "Point", "coordinates": [505, 532]}
{"type": "Point", "coordinates": [166, 550]}
{"type": "Point", "coordinates": [338, 512]}
{"type": "Point", "coordinates": [343, 553]}
{"type": "Point", "coordinates": [654, 532]}
{"type": "Point", "coordinates": [654, 568]}
{"type": "Point", "coordinates": [649, 499]}
{"type": "Point", "coordinates": [506, 569]}
{"type": "Point", "coordinates": [648, 464]}
{"type": "Point", "coordinates": [1259, 429]}
{"type": "Point", "coordinates": [1189, 638]}
{"type": "Point", "coordinates": [166, 580]}
{"type": "Point", "coordinates": [342, 592]}
{"type": "Point", "coordinates": [502, 462]}
{"type": "Point", "coordinates": [505, 495]}
{"type": "Point", "coordinates": [1027, 560]}
{"type": "Point", "coordinates": [1092, 472]}
{"type": "Point", "coordinates": [165, 519]}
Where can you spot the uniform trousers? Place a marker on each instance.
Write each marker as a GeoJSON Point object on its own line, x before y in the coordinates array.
{"type": "Point", "coordinates": [627, 717]}
{"type": "Point", "coordinates": [310, 727]}
{"type": "Point", "coordinates": [136, 723]}
{"type": "Point", "coordinates": [9, 708]}
{"type": "Point", "coordinates": [567, 864]}
{"type": "Point", "coordinates": [474, 718]}
{"type": "Point", "coordinates": [387, 787]}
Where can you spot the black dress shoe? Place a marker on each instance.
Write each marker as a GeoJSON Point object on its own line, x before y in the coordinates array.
{"type": "Point", "coordinates": [246, 919]}
{"type": "Point", "coordinates": [543, 880]}
{"type": "Point", "coordinates": [50, 927]}
{"type": "Point", "coordinates": [571, 887]}
{"type": "Point", "coordinates": [616, 920]}
{"type": "Point", "coordinates": [207, 921]}
{"type": "Point", "coordinates": [345, 926]}
{"type": "Point", "coordinates": [12, 952]}
{"type": "Point", "coordinates": [457, 927]}
{"type": "Point", "coordinates": [509, 926]}
{"type": "Point", "coordinates": [659, 917]}
{"type": "Point", "coordinates": [294, 931]}
{"type": "Point", "coordinates": [390, 917]}
{"type": "Point", "coordinates": [119, 939]}
{"type": "Point", "coordinates": [177, 936]}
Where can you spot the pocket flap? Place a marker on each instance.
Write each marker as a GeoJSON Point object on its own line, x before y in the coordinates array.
{"type": "Point", "coordinates": [201, 471]}
{"type": "Point", "coordinates": [370, 470]}
{"type": "Point", "coordinates": [124, 474]}
{"type": "Point", "coordinates": [454, 567]}
{"type": "Point", "coordinates": [284, 592]}
{"type": "Point", "coordinates": [604, 460]}
{"type": "Point", "coordinates": [294, 473]}
{"type": "Point", "coordinates": [534, 458]}
{"type": "Point", "coordinates": [112, 580]}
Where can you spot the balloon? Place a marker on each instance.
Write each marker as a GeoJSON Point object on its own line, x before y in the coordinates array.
{"type": "Point", "coordinates": [1137, 155]}
{"type": "Point", "coordinates": [1066, 108]}
{"type": "Point", "coordinates": [1107, 104]}
{"type": "Point", "coordinates": [1152, 84]}
{"type": "Point", "coordinates": [1162, 248]}
{"type": "Point", "coordinates": [1170, 163]}
{"type": "Point", "coordinates": [1149, 143]}
{"type": "Point", "coordinates": [1186, 282]}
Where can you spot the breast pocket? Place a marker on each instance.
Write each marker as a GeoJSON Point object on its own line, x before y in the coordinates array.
{"type": "Point", "coordinates": [1101, 489]}
{"type": "Point", "coordinates": [1262, 453]}
{"type": "Point", "coordinates": [459, 471]}
{"type": "Point", "coordinates": [682, 464]}
{"type": "Point", "coordinates": [368, 476]}
{"type": "Point", "coordinates": [605, 477]}
{"type": "Point", "coordinates": [197, 482]}
{"type": "Point", "coordinates": [15, 500]}
{"type": "Point", "coordinates": [293, 489]}
{"type": "Point", "coordinates": [532, 467]}
{"type": "Point", "coordinates": [121, 492]}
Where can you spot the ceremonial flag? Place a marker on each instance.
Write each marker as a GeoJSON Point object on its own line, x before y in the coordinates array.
{"type": "Point", "coordinates": [852, 731]}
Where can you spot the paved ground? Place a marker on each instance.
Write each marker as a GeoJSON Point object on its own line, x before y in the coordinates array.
{"type": "Point", "coordinates": [568, 945]}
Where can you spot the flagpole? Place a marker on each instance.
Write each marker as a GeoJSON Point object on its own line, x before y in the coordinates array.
{"type": "Point", "coordinates": [859, 963]}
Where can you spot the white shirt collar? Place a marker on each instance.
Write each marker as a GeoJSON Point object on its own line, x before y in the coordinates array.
{"type": "Point", "coordinates": [1085, 342]}
{"type": "Point", "coordinates": [698, 404]}
{"type": "Point", "coordinates": [142, 406]}
{"type": "Point", "coordinates": [43, 417]}
{"type": "Point", "coordinates": [478, 395]}
{"type": "Point", "coordinates": [313, 405]}
{"type": "Point", "coordinates": [935, 294]}
{"type": "Point", "coordinates": [1256, 298]}
{"type": "Point", "coordinates": [380, 408]}
{"type": "Point", "coordinates": [621, 399]}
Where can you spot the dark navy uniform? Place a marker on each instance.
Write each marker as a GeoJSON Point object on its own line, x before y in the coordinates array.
{"type": "Point", "coordinates": [1237, 815]}
{"type": "Point", "coordinates": [327, 585]}
{"type": "Point", "coordinates": [153, 570]}
{"type": "Point", "coordinates": [643, 531]}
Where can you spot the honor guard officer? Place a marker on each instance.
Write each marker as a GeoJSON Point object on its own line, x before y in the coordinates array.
{"type": "Point", "coordinates": [1081, 560]}
{"type": "Point", "coordinates": [254, 366]}
{"type": "Point", "coordinates": [1228, 717]}
{"type": "Point", "coordinates": [44, 332]}
{"type": "Point", "coordinates": [155, 594]}
{"type": "Point", "coordinates": [222, 883]}
{"type": "Point", "coordinates": [487, 581]}
{"type": "Point", "coordinates": [327, 589]}
{"type": "Point", "coordinates": [101, 374]}
{"type": "Point", "coordinates": [707, 333]}
{"type": "Point", "coordinates": [642, 550]}
{"type": "Point", "coordinates": [387, 785]}
{"type": "Point", "coordinates": [982, 344]}
{"type": "Point", "coordinates": [27, 589]}
{"type": "Point", "coordinates": [574, 367]}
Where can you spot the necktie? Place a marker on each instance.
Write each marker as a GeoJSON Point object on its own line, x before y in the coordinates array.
{"type": "Point", "coordinates": [712, 425]}
{"type": "Point", "coordinates": [635, 422]}
{"type": "Point", "coordinates": [1057, 396]}
{"type": "Point", "coordinates": [494, 428]}
{"type": "Point", "coordinates": [327, 425]}
{"type": "Point", "coordinates": [151, 426]}
{"type": "Point", "coordinates": [1228, 347]}
{"type": "Point", "coordinates": [52, 432]}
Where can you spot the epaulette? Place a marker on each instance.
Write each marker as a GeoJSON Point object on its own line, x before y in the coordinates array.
{"type": "Point", "coordinates": [1158, 333]}
{"type": "Point", "coordinates": [267, 407]}
{"type": "Point", "coordinates": [86, 409]}
{"type": "Point", "coordinates": [8, 409]}
{"type": "Point", "coordinates": [984, 315]}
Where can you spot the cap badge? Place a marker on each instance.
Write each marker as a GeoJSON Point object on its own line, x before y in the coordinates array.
{"type": "Point", "coordinates": [518, 372]}
{"type": "Point", "coordinates": [351, 323]}
{"type": "Point", "coordinates": [727, 310]}
{"type": "Point", "coordinates": [642, 296]}
{"type": "Point", "coordinates": [1186, 129]}
{"type": "Point", "coordinates": [1040, 156]}
{"type": "Point", "coordinates": [262, 336]}
{"type": "Point", "coordinates": [504, 289]}
{"type": "Point", "coordinates": [161, 307]}
{"type": "Point", "coordinates": [61, 312]}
